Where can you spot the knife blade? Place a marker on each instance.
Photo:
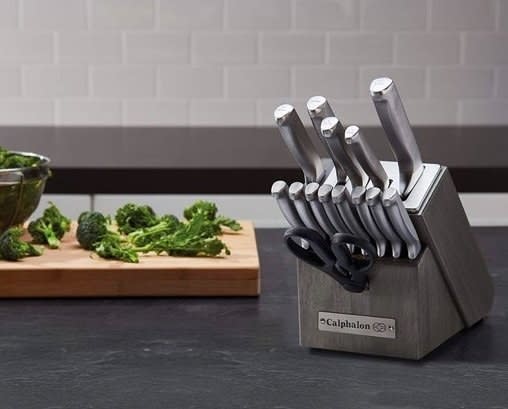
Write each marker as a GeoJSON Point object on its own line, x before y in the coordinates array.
{"type": "Point", "coordinates": [333, 132]}
{"type": "Point", "coordinates": [342, 200]}
{"type": "Point", "coordinates": [396, 125]}
{"type": "Point", "coordinates": [401, 222]}
{"type": "Point", "coordinates": [319, 109]}
{"type": "Point", "coordinates": [299, 142]}
{"type": "Point", "coordinates": [373, 197]}
{"type": "Point", "coordinates": [297, 195]}
{"type": "Point", "coordinates": [325, 197]}
{"type": "Point", "coordinates": [311, 194]}
{"type": "Point", "coordinates": [280, 192]}
{"type": "Point", "coordinates": [366, 157]}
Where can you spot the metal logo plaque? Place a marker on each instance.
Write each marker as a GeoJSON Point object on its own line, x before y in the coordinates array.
{"type": "Point", "coordinates": [357, 324]}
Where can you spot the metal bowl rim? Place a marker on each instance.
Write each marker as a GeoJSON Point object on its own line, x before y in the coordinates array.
{"type": "Point", "coordinates": [44, 162]}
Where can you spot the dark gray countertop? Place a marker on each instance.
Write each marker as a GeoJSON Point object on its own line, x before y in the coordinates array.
{"type": "Point", "coordinates": [236, 353]}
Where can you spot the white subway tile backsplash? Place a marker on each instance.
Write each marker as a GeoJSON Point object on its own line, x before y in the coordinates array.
{"type": "Point", "coordinates": [266, 107]}
{"type": "Point", "coordinates": [427, 49]}
{"type": "Point", "coordinates": [88, 112]}
{"type": "Point", "coordinates": [256, 82]}
{"type": "Point", "coordinates": [224, 48]}
{"type": "Point", "coordinates": [155, 113]}
{"type": "Point", "coordinates": [502, 83]}
{"type": "Point", "coordinates": [229, 112]}
{"type": "Point", "coordinates": [331, 82]}
{"type": "Point", "coordinates": [258, 15]}
{"type": "Point", "coordinates": [136, 81]}
{"type": "Point", "coordinates": [9, 13]}
{"type": "Point", "coordinates": [157, 47]}
{"type": "Point", "coordinates": [55, 81]}
{"type": "Point", "coordinates": [10, 82]}
{"type": "Point", "coordinates": [463, 14]}
{"type": "Point", "coordinates": [122, 14]}
{"type": "Point", "coordinates": [355, 49]}
{"type": "Point", "coordinates": [327, 15]}
{"type": "Point", "coordinates": [190, 82]}
{"type": "Point", "coordinates": [294, 48]}
{"type": "Point", "coordinates": [486, 112]}
{"type": "Point", "coordinates": [70, 205]}
{"type": "Point", "coordinates": [191, 14]}
{"type": "Point", "coordinates": [26, 112]}
{"type": "Point", "coordinates": [89, 47]}
{"type": "Point", "coordinates": [410, 80]}
{"type": "Point", "coordinates": [503, 15]}
{"type": "Point", "coordinates": [447, 82]}
{"type": "Point", "coordinates": [486, 48]}
{"type": "Point", "coordinates": [431, 111]}
{"type": "Point", "coordinates": [54, 14]}
{"type": "Point", "coordinates": [355, 112]}
{"type": "Point", "coordinates": [390, 15]}
{"type": "Point", "coordinates": [26, 46]}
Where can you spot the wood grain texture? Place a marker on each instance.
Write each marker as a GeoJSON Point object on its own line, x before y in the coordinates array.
{"type": "Point", "coordinates": [73, 272]}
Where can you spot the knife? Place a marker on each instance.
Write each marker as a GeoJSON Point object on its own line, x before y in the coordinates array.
{"type": "Point", "coordinates": [299, 142]}
{"type": "Point", "coordinates": [319, 109]}
{"type": "Point", "coordinates": [342, 200]}
{"type": "Point", "coordinates": [311, 194]}
{"type": "Point", "coordinates": [394, 120]}
{"type": "Point", "coordinates": [297, 195]}
{"type": "Point", "coordinates": [325, 197]}
{"type": "Point", "coordinates": [280, 192]}
{"type": "Point", "coordinates": [333, 132]}
{"type": "Point", "coordinates": [401, 221]}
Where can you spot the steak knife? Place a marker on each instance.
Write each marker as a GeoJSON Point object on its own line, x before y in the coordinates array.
{"type": "Point", "coordinates": [342, 200]}
{"type": "Point", "coordinates": [396, 125]}
{"type": "Point", "coordinates": [311, 194]}
{"type": "Point", "coordinates": [325, 197]}
{"type": "Point", "coordinates": [280, 192]}
{"type": "Point", "coordinates": [297, 195]}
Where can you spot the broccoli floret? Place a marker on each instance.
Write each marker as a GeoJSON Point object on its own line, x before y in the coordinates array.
{"type": "Point", "coordinates": [92, 227]}
{"type": "Point", "coordinates": [58, 221]}
{"type": "Point", "coordinates": [13, 248]}
{"type": "Point", "coordinates": [209, 211]}
{"type": "Point", "coordinates": [131, 217]}
{"type": "Point", "coordinates": [167, 225]}
{"type": "Point", "coordinates": [113, 246]}
{"type": "Point", "coordinates": [42, 233]}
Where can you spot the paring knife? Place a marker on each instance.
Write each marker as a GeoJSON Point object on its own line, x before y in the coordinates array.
{"type": "Point", "coordinates": [297, 195]}
{"type": "Point", "coordinates": [280, 192]}
{"type": "Point", "coordinates": [372, 166]}
{"type": "Point", "coordinates": [299, 143]}
{"type": "Point", "coordinates": [311, 194]}
{"type": "Point", "coordinates": [333, 132]}
{"type": "Point", "coordinates": [401, 221]}
{"type": "Point", "coordinates": [342, 200]}
{"type": "Point", "coordinates": [319, 109]}
{"type": "Point", "coordinates": [325, 197]}
{"type": "Point", "coordinates": [394, 120]}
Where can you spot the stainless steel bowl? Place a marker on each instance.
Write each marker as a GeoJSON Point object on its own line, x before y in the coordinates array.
{"type": "Point", "coordinates": [21, 190]}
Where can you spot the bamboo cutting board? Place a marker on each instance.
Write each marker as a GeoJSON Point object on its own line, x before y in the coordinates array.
{"type": "Point", "coordinates": [73, 272]}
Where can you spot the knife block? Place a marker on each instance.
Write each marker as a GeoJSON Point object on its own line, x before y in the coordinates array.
{"type": "Point", "coordinates": [411, 306]}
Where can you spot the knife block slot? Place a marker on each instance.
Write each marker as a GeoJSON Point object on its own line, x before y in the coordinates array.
{"type": "Point", "coordinates": [411, 307]}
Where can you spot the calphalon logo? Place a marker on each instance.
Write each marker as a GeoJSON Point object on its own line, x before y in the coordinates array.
{"type": "Point", "coordinates": [357, 324]}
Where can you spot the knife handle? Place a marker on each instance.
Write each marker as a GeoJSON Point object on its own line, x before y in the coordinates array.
{"type": "Point", "coordinates": [401, 222]}
{"type": "Point", "coordinates": [325, 198]}
{"type": "Point", "coordinates": [299, 142]}
{"type": "Point", "coordinates": [333, 132]}
{"type": "Point", "coordinates": [342, 200]}
{"type": "Point", "coordinates": [394, 120]}
{"type": "Point", "coordinates": [319, 109]}
{"type": "Point", "coordinates": [311, 194]}
{"type": "Point", "coordinates": [280, 192]}
{"type": "Point", "coordinates": [297, 195]}
{"type": "Point", "coordinates": [366, 157]}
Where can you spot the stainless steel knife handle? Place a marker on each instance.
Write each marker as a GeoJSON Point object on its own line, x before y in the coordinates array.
{"type": "Point", "coordinates": [374, 201]}
{"type": "Point", "coordinates": [342, 200]}
{"type": "Point", "coordinates": [280, 192]}
{"type": "Point", "coordinates": [297, 195]}
{"type": "Point", "coordinates": [394, 120]}
{"type": "Point", "coordinates": [401, 222]}
{"type": "Point", "coordinates": [325, 198]}
{"type": "Point", "coordinates": [299, 142]}
{"type": "Point", "coordinates": [333, 131]}
{"type": "Point", "coordinates": [366, 157]}
{"type": "Point", "coordinates": [360, 202]}
{"type": "Point", "coordinates": [311, 194]}
{"type": "Point", "coordinates": [319, 109]}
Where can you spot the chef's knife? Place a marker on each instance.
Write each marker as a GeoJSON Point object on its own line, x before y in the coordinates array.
{"type": "Point", "coordinates": [280, 192]}
{"type": "Point", "coordinates": [319, 109]}
{"type": "Point", "coordinates": [333, 131]}
{"type": "Point", "coordinates": [342, 200]}
{"type": "Point", "coordinates": [401, 222]}
{"type": "Point", "coordinates": [311, 194]}
{"type": "Point", "coordinates": [325, 197]}
{"type": "Point", "coordinates": [299, 142]}
{"type": "Point", "coordinates": [374, 202]}
{"type": "Point", "coordinates": [297, 195]}
{"type": "Point", "coordinates": [394, 120]}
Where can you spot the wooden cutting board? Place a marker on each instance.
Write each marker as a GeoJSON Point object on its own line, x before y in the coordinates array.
{"type": "Point", "coordinates": [71, 271]}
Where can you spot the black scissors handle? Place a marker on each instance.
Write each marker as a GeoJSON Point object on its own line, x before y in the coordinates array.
{"type": "Point", "coordinates": [333, 256]}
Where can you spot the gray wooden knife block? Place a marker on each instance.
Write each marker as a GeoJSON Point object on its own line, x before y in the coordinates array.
{"type": "Point", "coordinates": [410, 307]}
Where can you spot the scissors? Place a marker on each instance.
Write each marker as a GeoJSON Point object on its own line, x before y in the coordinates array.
{"type": "Point", "coordinates": [333, 256]}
